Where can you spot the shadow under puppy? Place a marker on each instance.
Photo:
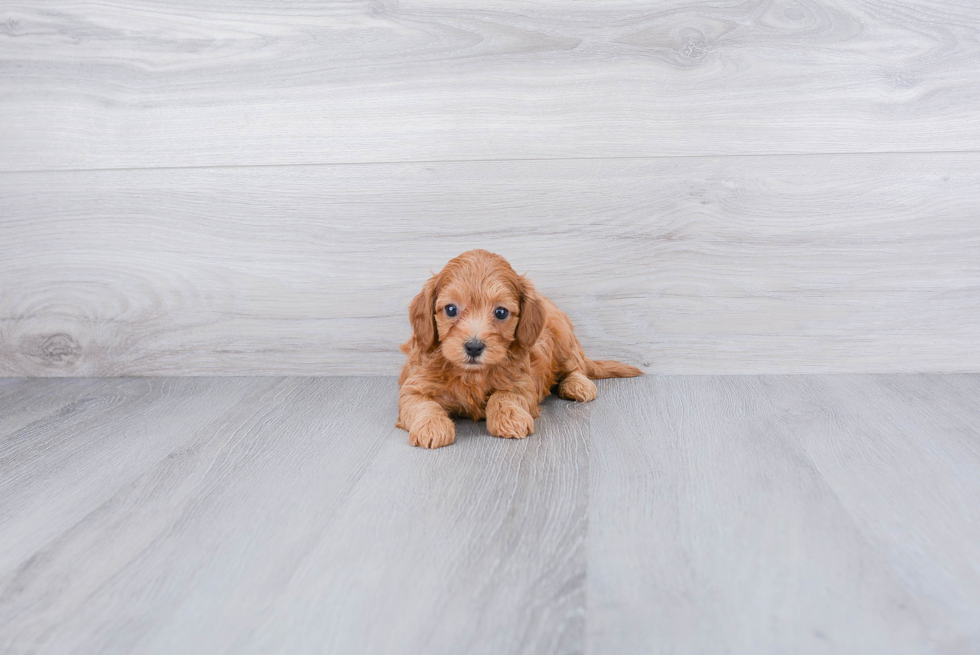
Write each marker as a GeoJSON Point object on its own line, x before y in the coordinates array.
{"type": "Point", "coordinates": [485, 344]}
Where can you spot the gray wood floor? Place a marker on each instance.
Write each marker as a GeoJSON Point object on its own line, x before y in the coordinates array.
{"type": "Point", "coordinates": [744, 514]}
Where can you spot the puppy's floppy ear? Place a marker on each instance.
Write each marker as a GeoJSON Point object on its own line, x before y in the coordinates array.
{"type": "Point", "coordinates": [422, 315]}
{"type": "Point", "coordinates": [531, 321]}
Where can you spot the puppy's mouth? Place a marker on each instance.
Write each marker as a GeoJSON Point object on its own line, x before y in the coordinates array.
{"type": "Point", "coordinates": [473, 362]}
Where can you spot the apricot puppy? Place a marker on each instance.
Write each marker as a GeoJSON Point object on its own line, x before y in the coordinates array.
{"type": "Point", "coordinates": [485, 345]}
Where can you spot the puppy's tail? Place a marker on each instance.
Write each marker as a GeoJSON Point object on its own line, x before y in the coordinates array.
{"type": "Point", "coordinates": [607, 368]}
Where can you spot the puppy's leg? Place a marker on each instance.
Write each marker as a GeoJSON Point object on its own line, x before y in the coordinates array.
{"type": "Point", "coordinates": [508, 415]}
{"type": "Point", "coordinates": [570, 361]}
{"type": "Point", "coordinates": [576, 386]}
{"type": "Point", "coordinates": [428, 424]}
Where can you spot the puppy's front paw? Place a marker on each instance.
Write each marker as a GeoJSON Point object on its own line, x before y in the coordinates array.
{"type": "Point", "coordinates": [432, 432]}
{"type": "Point", "coordinates": [509, 421]}
{"type": "Point", "coordinates": [577, 387]}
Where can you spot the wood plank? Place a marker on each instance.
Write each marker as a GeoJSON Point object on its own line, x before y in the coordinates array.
{"type": "Point", "coordinates": [65, 465]}
{"type": "Point", "coordinates": [694, 265]}
{"type": "Point", "coordinates": [479, 550]}
{"type": "Point", "coordinates": [302, 521]}
{"type": "Point", "coordinates": [123, 84]}
{"type": "Point", "coordinates": [23, 401]}
{"type": "Point", "coordinates": [674, 514]}
{"type": "Point", "coordinates": [785, 514]}
{"type": "Point", "coordinates": [907, 469]}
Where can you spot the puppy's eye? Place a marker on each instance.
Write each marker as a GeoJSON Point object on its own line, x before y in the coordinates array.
{"type": "Point", "coordinates": [501, 313]}
{"type": "Point", "coordinates": [451, 310]}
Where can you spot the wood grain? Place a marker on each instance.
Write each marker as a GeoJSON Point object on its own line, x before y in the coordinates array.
{"type": "Point", "coordinates": [23, 402]}
{"type": "Point", "coordinates": [783, 514]}
{"type": "Point", "coordinates": [60, 468]}
{"type": "Point", "coordinates": [762, 514]}
{"type": "Point", "coordinates": [694, 265]}
{"type": "Point", "coordinates": [294, 518]}
{"type": "Point", "coordinates": [178, 83]}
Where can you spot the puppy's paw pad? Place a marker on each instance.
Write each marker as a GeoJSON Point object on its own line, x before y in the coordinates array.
{"type": "Point", "coordinates": [510, 422]}
{"type": "Point", "coordinates": [577, 387]}
{"type": "Point", "coordinates": [433, 432]}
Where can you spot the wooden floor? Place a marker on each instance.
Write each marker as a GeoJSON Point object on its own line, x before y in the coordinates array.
{"type": "Point", "coordinates": [744, 514]}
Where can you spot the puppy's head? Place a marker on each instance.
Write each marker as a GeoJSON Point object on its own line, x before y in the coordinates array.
{"type": "Point", "coordinates": [477, 312]}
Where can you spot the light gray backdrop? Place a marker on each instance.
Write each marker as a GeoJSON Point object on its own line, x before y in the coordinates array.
{"type": "Point", "coordinates": [215, 188]}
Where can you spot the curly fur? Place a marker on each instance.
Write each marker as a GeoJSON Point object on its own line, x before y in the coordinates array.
{"type": "Point", "coordinates": [526, 354]}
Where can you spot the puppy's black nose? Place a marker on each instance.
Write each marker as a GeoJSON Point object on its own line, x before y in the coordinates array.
{"type": "Point", "coordinates": [474, 347]}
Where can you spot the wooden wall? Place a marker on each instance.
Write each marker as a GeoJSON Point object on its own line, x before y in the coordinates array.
{"type": "Point", "coordinates": [261, 187]}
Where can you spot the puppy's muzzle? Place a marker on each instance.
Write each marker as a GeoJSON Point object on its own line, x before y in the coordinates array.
{"type": "Point", "coordinates": [474, 348]}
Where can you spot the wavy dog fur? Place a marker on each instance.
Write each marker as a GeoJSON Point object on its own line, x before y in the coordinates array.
{"type": "Point", "coordinates": [525, 353]}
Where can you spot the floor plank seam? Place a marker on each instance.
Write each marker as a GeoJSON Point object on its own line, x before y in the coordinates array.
{"type": "Point", "coordinates": [490, 160]}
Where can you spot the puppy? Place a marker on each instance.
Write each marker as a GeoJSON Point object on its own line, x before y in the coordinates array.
{"type": "Point", "coordinates": [485, 345]}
